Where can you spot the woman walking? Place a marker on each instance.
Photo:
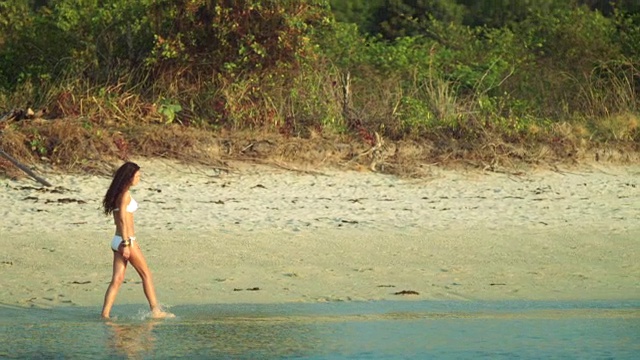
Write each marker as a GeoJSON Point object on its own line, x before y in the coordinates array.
{"type": "Point", "coordinates": [119, 202]}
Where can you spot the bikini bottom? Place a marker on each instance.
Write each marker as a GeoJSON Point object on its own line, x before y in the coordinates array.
{"type": "Point", "coordinates": [117, 240]}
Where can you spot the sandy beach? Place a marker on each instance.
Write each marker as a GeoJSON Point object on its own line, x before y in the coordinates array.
{"type": "Point", "coordinates": [259, 234]}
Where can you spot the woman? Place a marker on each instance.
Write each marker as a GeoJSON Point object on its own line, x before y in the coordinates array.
{"type": "Point", "coordinates": [125, 248]}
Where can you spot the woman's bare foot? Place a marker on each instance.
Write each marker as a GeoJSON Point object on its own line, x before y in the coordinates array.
{"type": "Point", "coordinates": [159, 314]}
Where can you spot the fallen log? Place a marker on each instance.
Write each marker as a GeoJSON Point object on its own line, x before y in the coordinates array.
{"type": "Point", "coordinates": [24, 168]}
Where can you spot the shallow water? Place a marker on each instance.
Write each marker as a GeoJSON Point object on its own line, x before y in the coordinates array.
{"type": "Point", "coordinates": [366, 330]}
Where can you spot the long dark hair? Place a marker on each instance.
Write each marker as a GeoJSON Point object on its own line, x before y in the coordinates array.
{"type": "Point", "coordinates": [121, 182]}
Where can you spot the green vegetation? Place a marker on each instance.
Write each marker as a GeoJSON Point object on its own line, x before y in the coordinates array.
{"type": "Point", "coordinates": [483, 80]}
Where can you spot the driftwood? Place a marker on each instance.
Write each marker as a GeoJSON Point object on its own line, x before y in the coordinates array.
{"type": "Point", "coordinates": [375, 152]}
{"type": "Point", "coordinates": [20, 114]}
{"type": "Point", "coordinates": [24, 168]}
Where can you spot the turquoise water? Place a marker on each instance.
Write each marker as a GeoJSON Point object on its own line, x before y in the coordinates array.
{"type": "Point", "coordinates": [353, 330]}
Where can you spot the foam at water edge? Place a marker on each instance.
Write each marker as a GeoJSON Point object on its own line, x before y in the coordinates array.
{"type": "Point", "coordinates": [148, 314]}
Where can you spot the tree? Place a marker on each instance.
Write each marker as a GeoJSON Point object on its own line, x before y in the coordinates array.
{"type": "Point", "coordinates": [359, 12]}
{"type": "Point", "coordinates": [498, 13]}
{"type": "Point", "coordinates": [398, 18]}
{"type": "Point", "coordinates": [608, 7]}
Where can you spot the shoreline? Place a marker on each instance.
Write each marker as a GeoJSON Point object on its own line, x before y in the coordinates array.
{"type": "Point", "coordinates": [262, 235]}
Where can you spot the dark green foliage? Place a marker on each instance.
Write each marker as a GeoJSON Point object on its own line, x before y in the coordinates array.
{"type": "Point", "coordinates": [54, 38]}
{"type": "Point", "coordinates": [398, 18]}
{"type": "Point", "coordinates": [359, 12]}
{"type": "Point", "coordinates": [499, 13]}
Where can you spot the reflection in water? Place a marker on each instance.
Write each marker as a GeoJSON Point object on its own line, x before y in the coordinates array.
{"type": "Point", "coordinates": [196, 333]}
{"type": "Point", "coordinates": [236, 338]}
{"type": "Point", "coordinates": [133, 340]}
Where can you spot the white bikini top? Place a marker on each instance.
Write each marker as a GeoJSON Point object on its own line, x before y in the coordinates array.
{"type": "Point", "coordinates": [133, 206]}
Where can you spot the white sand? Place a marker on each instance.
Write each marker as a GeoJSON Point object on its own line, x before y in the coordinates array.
{"type": "Point", "coordinates": [209, 236]}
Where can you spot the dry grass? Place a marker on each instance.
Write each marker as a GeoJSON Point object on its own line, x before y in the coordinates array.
{"type": "Point", "coordinates": [72, 145]}
{"type": "Point", "coordinates": [619, 127]}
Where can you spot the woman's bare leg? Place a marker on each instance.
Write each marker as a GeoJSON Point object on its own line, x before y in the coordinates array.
{"type": "Point", "coordinates": [138, 261]}
{"type": "Point", "coordinates": [119, 268]}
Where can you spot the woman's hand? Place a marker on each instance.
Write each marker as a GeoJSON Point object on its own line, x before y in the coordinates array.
{"type": "Point", "coordinates": [126, 252]}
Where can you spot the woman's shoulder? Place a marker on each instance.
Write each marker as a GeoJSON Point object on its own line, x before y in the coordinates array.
{"type": "Point", "coordinates": [125, 197]}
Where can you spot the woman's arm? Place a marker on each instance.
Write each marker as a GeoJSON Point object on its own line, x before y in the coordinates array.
{"type": "Point", "coordinates": [124, 221]}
